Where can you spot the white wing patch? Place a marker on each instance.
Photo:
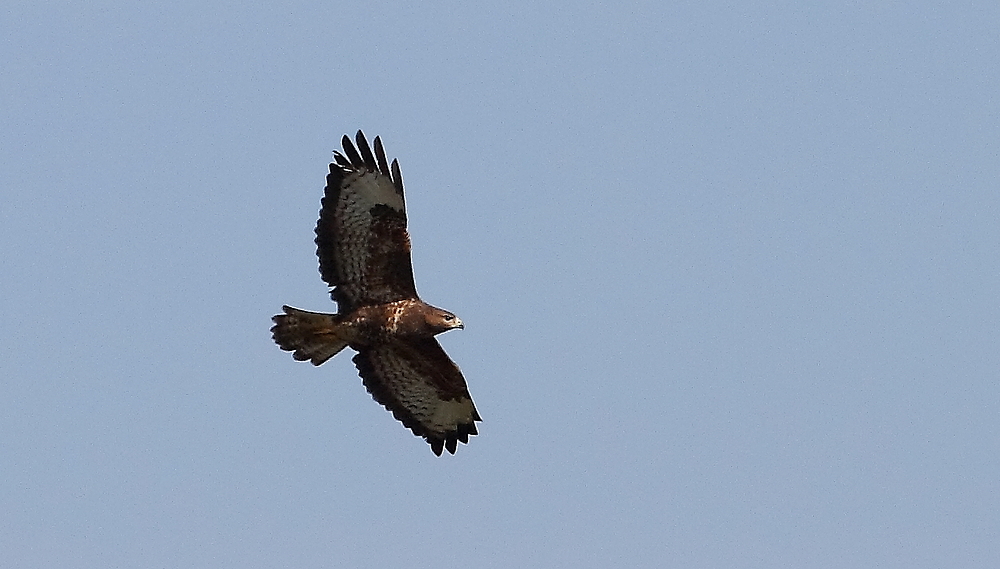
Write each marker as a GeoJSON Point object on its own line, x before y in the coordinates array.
{"type": "Point", "coordinates": [369, 189]}
{"type": "Point", "coordinates": [447, 414]}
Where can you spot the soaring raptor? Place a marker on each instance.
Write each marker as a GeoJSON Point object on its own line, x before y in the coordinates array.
{"type": "Point", "coordinates": [364, 255]}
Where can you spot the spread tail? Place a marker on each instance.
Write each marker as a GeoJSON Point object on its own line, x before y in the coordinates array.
{"type": "Point", "coordinates": [312, 336]}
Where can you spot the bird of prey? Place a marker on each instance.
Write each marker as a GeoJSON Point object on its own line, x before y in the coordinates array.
{"type": "Point", "coordinates": [364, 256]}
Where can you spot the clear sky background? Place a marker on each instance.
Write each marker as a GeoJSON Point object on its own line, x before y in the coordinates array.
{"type": "Point", "coordinates": [729, 273]}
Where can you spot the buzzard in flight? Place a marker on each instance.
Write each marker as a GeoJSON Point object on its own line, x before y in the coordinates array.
{"type": "Point", "coordinates": [364, 255]}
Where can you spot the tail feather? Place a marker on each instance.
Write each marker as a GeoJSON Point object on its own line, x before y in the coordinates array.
{"type": "Point", "coordinates": [312, 336]}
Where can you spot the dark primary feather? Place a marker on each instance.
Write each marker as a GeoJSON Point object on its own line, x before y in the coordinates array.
{"type": "Point", "coordinates": [383, 166]}
{"type": "Point", "coordinates": [352, 154]}
{"type": "Point", "coordinates": [366, 153]}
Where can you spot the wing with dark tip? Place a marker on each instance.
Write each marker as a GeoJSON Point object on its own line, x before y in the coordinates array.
{"type": "Point", "coordinates": [423, 389]}
{"type": "Point", "coordinates": [361, 238]}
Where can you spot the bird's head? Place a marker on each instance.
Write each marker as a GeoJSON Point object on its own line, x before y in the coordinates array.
{"type": "Point", "coordinates": [442, 321]}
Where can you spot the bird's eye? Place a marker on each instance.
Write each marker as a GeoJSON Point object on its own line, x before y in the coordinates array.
{"type": "Point", "coordinates": [448, 317]}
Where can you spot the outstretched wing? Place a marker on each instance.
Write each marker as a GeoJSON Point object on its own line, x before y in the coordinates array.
{"type": "Point", "coordinates": [361, 238]}
{"type": "Point", "coordinates": [423, 389]}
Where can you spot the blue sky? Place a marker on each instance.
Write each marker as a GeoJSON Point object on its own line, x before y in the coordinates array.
{"type": "Point", "coordinates": [728, 271]}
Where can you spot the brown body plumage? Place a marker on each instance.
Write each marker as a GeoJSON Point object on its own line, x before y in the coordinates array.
{"type": "Point", "coordinates": [364, 255]}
